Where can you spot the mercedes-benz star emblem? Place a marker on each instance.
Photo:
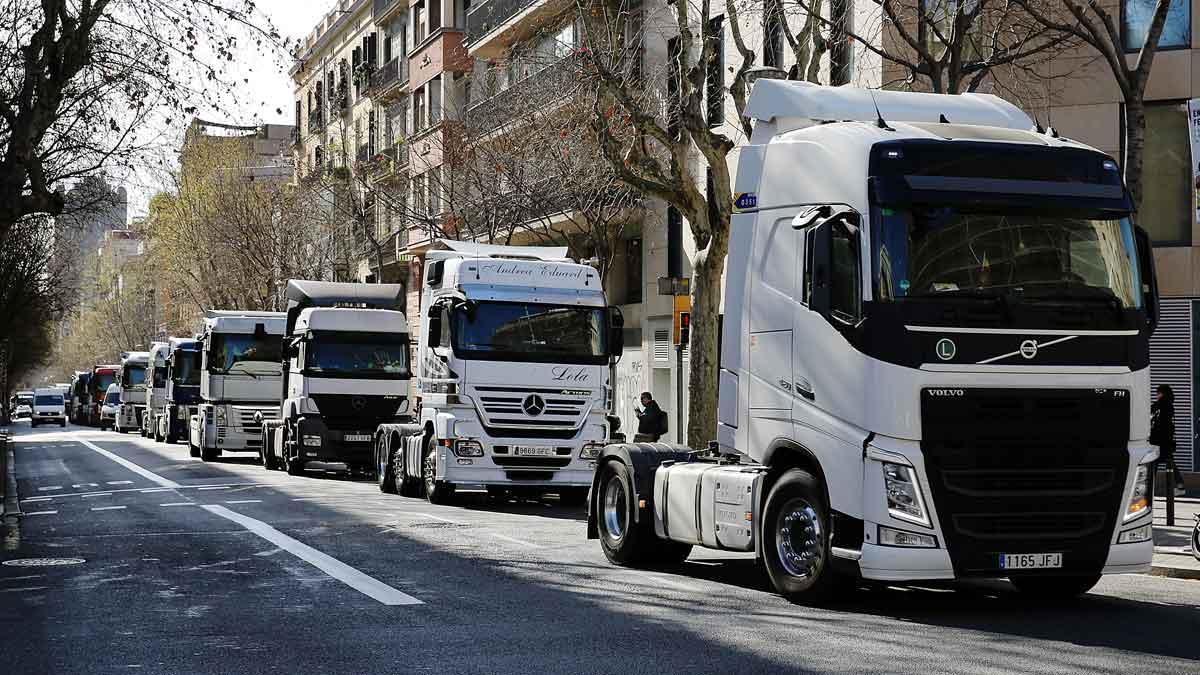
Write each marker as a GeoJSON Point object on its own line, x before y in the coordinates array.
{"type": "Point", "coordinates": [358, 403]}
{"type": "Point", "coordinates": [533, 405]}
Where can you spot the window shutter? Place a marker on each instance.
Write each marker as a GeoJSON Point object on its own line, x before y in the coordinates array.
{"type": "Point", "coordinates": [1171, 364]}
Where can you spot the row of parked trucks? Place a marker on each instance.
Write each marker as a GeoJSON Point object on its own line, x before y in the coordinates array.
{"type": "Point", "coordinates": [934, 364]}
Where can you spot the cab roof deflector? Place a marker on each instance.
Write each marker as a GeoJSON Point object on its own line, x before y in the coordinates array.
{"type": "Point", "coordinates": [302, 294]}
{"type": "Point", "coordinates": [450, 248]}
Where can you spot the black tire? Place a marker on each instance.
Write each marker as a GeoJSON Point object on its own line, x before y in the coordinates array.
{"type": "Point", "coordinates": [385, 471]}
{"type": "Point", "coordinates": [625, 541]}
{"type": "Point", "coordinates": [293, 465]}
{"type": "Point", "coordinates": [798, 564]}
{"type": "Point", "coordinates": [574, 497]}
{"type": "Point", "coordinates": [269, 460]}
{"type": "Point", "coordinates": [436, 491]}
{"type": "Point", "coordinates": [1052, 589]}
{"type": "Point", "coordinates": [498, 493]}
{"type": "Point", "coordinates": [209, 454]}
{"type": "Point", "coordinates": [193, 450]}
{"type": "Point", "coordinates": [1196, 541]}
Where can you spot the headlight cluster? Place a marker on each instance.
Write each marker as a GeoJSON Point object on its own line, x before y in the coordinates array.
{"type": "Point", "coordinates": [1139, 497]}
{"type": "Point", "coordinates": [220, 416]}
{"type": "Point", "coordinates": [468, 448]}
{"type": "Point", "coordinates": [1136, 535]}
{"type": "Point", "coordinates": [181, 412]}
{"type": "Point", "coordinates": [591, 450]}
{"type": "Point", "coordinates": [904, 493]}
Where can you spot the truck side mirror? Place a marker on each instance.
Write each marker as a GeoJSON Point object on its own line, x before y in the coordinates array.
{"type": "Point", "coordinates": [616, 332]}
{"type": "Point", "coordinates": [434, 337]}
{"type": "Point", "coordinates": [833, 260]}
{"type": "Point", "coordinates": [1149, 276]}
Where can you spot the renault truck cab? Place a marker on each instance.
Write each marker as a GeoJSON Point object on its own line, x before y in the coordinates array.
{"type": "Point", "coordinates": [132, 381]}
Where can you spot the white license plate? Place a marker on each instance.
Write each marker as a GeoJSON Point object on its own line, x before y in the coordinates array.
{"type": "Point", "coordinates": [1030, 561]}
{"type": "Point", "coordinates": [356, 438]}
{"type": "Point", "coordinates": [525, 451]}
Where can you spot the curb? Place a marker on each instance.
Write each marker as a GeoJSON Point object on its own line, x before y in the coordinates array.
{"type": "Point", "coordinates": [11, 508]}
{"type": "Point", "coordinates": [1175, 572]}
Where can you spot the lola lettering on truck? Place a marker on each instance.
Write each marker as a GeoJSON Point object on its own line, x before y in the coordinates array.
{"type": "Point", "coordinates": [567, 374]}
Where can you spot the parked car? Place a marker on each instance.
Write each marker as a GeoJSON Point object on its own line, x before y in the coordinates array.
{"type": "Point", "coordinates": [108, 407]}
{"type": "Point", "coordinates": [49, 407]}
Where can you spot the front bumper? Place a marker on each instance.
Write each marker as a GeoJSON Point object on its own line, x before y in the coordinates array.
{"type": "Point", "coordinates": [496, 469]}
{"type": "Point", "coordinates": [334, 447]}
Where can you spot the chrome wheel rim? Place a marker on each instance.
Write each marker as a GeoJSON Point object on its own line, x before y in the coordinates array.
{"type": "Point", "coordinates": [799, 539]}
{"type": "Point", "coordinates": [616, 508]}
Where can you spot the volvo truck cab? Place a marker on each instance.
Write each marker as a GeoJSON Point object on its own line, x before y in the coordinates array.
{"type": "Point", "coordinates": [934, 358]}
{"type": "Point", "coordinates": [239, 378]}
{"type": "Point", "coordinates": [346, 358]}
{"type": "Point", "coordinates": [131, 379]}
{"type": "Point", "coordinates": [182, 398]}
{"type": "Point", "coordinates": [512, 374]}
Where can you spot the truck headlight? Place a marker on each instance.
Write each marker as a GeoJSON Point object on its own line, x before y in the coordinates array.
{"type": "Point", "coordinates": [591, 450]}
{"type": "Point", "coordinates": [181, 412]}
{"type": "Point", "coordinates": [220, 415]}
{"type": "Point", "coordinates": [904, 498]}
{"type": "Point", "coordinates": [468, 448]}
{"type": "Point", "coordinates": [312, 441]}
{"type": "Point", "coordinates": [1139, 495]}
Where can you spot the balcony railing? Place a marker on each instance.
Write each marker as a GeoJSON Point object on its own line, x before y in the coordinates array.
{"type": "Point", "coordinates": [391, 73]}
{"type": "Point", "coordinates": [391, 159]}
{"type": "Point", "coordinates": [488, 15]}
{"type": "Point", "coordinates": [550, 84]}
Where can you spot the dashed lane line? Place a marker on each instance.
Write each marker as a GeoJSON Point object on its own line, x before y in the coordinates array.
{"type": "Point", "coordinates": [213, 487]}
{"type": "Point", "coordinates": [79, 485]}
{"type": "Point", "coordinates": [119, 482]}
{"type": "Point", "coordinates": [97, 494]}
{"type": "Point", "coordinates": [243, 501]}
{"type": "Point", "coordinates": [514, 540]}
{"type": "Point", "coordinates": [368, 586]}
{"type": "Point", "coordinates": [107, 508]}
{"type": "Point", "coordinates": [39, 513]}
{"type": "Point", "coordinates": [180, 504]}
{"type": "Point", "coordinates": [47, 488]}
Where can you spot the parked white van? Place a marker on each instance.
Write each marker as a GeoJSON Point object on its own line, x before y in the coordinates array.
{"type": "Point", "coordinates": [109, 405]}
{"type": "Point", "coordinates": [49, 407]}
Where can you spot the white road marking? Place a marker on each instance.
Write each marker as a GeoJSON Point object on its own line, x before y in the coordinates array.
{"type": "Point", "coordinates": [244, 501]}
{"type": "Point", "coordinates": [515, 541]}
{"type": "Point", "coordinates": [37, 499]}
{"type": "Point", "coordinates": [666, 581]}
{"type": "Point", "coordinates": [213, 487]}
{"type": "Point", "coordinates": [120, 482]}
{"type": "Point", "coordinates": [79, 485]}
{"type": "Point", "coordinates": [147, 491]}
{"type": "Point", "coordinates": [27, 588]}
{"type": "Point", "coordinates": [97, 494]}
{"type": "Point", "coordinates": [40, 513]}
{"type": "Point", "coordinates": [144, 473]}
{"type": "Point", "coordinates": [49, 487]}
{"type": "Point", "coordinates": [107, 508]}
{"type": "Point", "coordinates": [180, 504]}
{"type": "Point", "coordinates": [267, 554]}
{"type": "Point", "coordinates": [368, 586]}
{"type": "Point", "coordinates": [444, 520]}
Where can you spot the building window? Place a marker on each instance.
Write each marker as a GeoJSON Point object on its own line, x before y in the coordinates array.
{"type": "Point", "coordinates": [773, 37]}
{"type": "Point", "coordinates": [633, 270]}
{"type": "Point", "coordinates": [418, 200]}
{"type": "Point", "coordinates": [435, 100]}
{"type": "Point", "coordinates": [435, 194]}
{"type": "Point", "coordinates": [418, 22]}
{"type": "Point", "coordinates": [1166, 210]}
{"type": "Point", "coordinates": [714, 78]}
{"type": "Point", "coordinates": [1135, 23]}
{"type": "Point", "coordinates": [435, 15]}
{"type": "Point", "coordinates": [418, 99]}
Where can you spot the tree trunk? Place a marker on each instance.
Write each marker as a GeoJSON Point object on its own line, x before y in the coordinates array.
{"type": "Point", "coordinates": [1135, 144]}
{"type": "Point", "coordinates": [708, 267]}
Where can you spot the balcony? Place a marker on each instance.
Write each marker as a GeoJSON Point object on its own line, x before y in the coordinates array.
{"type": "Point", "coordinates": [384, 10]}
{"type": "Point", "coordinates": [387, 82]}
{"type": "Point", "coordinates": [537, 91]}
{"type": "Point", "coordinates": [493, 25]}
{"type": "Point", "coordinates": [390, 162]}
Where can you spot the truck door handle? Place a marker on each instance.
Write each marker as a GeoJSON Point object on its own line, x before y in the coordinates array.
{"type": "Point", "coordinates": [804, 388]}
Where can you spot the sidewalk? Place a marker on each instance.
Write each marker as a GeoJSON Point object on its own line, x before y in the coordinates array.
{"type": "Point", "coordinates": [1173, 545]}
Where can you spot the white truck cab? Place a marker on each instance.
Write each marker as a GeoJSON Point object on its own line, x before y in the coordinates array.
{"type": "Point", "coordinates": [239, 378]}
{"type": "Point", "coordinates": [934, 359]}
{"type": "Point", "coordinates": [156, 387]}
{"type": "Point", "coordinates": [347, 372]}
{"type": "Point", "coordinates": [512, 373]}
{"type": "Point", "coordinates": [49, 407]}
{"type": "Point", "coordinates": [132, 380]}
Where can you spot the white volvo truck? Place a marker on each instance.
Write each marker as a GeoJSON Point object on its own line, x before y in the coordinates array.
{"type": "Point", "coordinates": [934, 358]}
{"type": "Point", "coordinates": [156, 387]}
{"type": "Point", "coordinates": [512, 374]}
{"type": "Point", "coordinates": [132, 380]}
{"type": "Point", "coordinates": [346, 372]}
{"type": "Point", "coordinates": [240, 377]}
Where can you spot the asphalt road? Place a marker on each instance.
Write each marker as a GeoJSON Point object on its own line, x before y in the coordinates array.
{"type": "Point", "coordinates": [225, 567]}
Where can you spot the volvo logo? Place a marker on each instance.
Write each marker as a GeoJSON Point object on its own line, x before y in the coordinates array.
{"type": "Point", "coordinates": [946, 349]}
{"type": "Point", "coordinates": [947, 392]}
{"type": "Point", "coordinates": [533, 405]}
{"type": "Point", "coordinates": [1029, 348]}
{"type": "Point", "coordinates": [358, 403]}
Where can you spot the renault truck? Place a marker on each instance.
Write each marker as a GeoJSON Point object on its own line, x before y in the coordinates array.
{"type": "Point", "coordinates": [131, 379]}
{"type": "Point", "coordinates": [512, 376]}
{"type": "Point", "coordinates": [182, 397]}
{"type": "Point", "coordinates": [239, 377]}
{"type": "Point", "coordinates": [934, 359]}
{"type": "Point", "coordinates": [156, 387]}
{"type": "Point", "coordinates": [346, 372]}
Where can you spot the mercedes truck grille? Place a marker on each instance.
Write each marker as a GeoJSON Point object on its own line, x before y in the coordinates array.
{"type": "Point", "coordinates": [531, 408]}
{"type": "Point", "coordinates": [1026, 471]}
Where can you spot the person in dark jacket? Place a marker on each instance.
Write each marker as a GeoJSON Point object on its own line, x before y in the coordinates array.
{"type": "Point", "coordinates": [652, 421]}
{"type": "Point", "coordinates": [1162, 433]}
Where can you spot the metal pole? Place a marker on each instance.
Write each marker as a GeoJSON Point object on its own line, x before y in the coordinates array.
{"type": "Point", "coordinates": [1170, 481]}
{"type": "Point", "coordinates": [679, 438]}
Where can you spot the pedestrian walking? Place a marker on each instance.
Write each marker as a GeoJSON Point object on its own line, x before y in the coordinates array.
{"type": "Point", "coordinates": [1162, 434]}
{"type": "Point", "coordinates": [652, 420]}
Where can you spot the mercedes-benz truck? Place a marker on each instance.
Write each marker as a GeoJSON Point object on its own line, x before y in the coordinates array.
{"type": "Point", "coordinates": [182, 398]}
{"type": "Point", "coordinates": [132, 381]}
{"type": "Point", "coordinates": [512, 374]}
{"type": "Point", "coordinates": [934, 358]}
{"type": "Point", "coordinates": [346, 357]}
{"type": "Point", "coordinates": [239, 378]}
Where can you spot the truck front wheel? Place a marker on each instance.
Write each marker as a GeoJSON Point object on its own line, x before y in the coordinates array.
{"type": "Point", "coordinates": [436, 491]}
{"type": "Point", "coordinates": [795, 539]}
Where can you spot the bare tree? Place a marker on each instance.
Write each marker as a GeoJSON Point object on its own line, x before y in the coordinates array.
{"type": "Point", "coordinates": [1093, 25]}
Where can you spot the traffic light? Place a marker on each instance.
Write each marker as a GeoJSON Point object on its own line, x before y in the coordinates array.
{"type": "Point", "coordinates": [685, 327]}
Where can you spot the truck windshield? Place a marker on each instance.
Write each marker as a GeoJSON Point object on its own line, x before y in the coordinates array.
{"type": "Point", "coordinates": [133, 376]}
{"type": "Point", "coordinates": [927, 252]}
{"type": "Point", "coordinates": [100, 381]}
{"type": "Point", "coordinates": [244, 353]}
{"type": "Point", "coordinates": [358, 355]}
{"type": "Point", "coordinates": [185, 367]}
{"type": "Point", "coordinates": [526, 331]}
